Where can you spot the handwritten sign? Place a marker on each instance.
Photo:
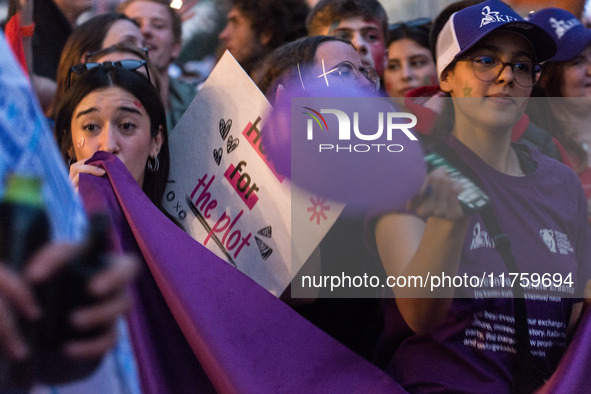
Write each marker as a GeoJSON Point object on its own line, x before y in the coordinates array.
{"type": "Point", "coordinates": [226, 193]}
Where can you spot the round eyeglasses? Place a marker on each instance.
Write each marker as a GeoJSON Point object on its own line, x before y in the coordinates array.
{"type": "Point", "coordinates": [349, 73]}
{"type": "Point", "coordinates": [488, 68]}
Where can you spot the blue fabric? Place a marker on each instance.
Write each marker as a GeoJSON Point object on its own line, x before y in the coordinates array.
{"type": "Point", "coordinates": [27, 147]}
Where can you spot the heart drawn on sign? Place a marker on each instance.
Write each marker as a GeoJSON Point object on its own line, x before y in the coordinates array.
{"type": "Point", "coordinates": [217, 155]}
{"type": "Point", "coordinates": [225, 128]}
{"type": "Point", "coordinates": [232, 143]}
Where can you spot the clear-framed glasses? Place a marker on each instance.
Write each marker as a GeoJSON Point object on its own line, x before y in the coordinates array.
{"type": "Point", "coordinates": [127, 64]}
{"type": "Point", "coordinates": [350, 74]}
{"type": "Point", "coordinates": [488, 68]}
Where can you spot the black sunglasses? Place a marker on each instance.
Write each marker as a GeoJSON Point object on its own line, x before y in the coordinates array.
{"type": "Point", "coordinates": [414, 23]}
{"type": "Point", "coordinates": [126, 64]}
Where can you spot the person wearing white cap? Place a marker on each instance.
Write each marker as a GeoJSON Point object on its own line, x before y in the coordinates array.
{"type": "Point", "coordinates": [566, 82]}
{"type": "Point", "coordinates": [468, 334]}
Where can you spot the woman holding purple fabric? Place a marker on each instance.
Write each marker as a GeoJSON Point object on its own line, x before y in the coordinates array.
{"type": "Point", "coordinates": [197, 324]}
{"type": "Point", "coordinates": [113, 107]}
{"type": "Point", "coordinates": [465, 338]}
{"type": "Point", "coordinates": [114, 110]}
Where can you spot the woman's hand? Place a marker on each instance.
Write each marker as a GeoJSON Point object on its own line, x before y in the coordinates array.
{"type": "Point", "coordinates": [79, 167]}
{"type": "Point", "coordinates": [438, 197]}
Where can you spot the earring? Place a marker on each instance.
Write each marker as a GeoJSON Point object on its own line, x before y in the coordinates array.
{"type": "Point", "coordinates": [153, 166]}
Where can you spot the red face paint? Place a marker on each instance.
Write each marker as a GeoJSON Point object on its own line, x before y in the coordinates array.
{"type": "Point", "coordinates": [138, 104]}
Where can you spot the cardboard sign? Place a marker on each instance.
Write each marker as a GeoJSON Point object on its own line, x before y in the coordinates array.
{"type": "Point", "coordinates": [226, 193]}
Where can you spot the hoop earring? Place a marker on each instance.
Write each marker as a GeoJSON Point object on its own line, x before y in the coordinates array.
{"type": "Point", "coordinates": [154, 165]}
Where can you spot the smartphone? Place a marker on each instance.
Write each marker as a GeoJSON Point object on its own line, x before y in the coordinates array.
{"type": "Point", "coordinates": [471, 198]}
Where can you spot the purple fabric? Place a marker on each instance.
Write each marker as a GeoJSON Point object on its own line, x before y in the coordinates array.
{"type": "Point", "coordinates": [165, 361]}
{"type": "Point", "coordinates": [573, 374]}
{"type": "Point", "coordinates": [246, 340]}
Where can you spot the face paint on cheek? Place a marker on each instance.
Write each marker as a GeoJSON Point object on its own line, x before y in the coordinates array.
{"type": "Point", "coordinates": [467, 90]}
{"type": "Point", "coordinates": [80, 143]}
{"type": "Point", "coordinates": [138, 104]}
{"type": "Point", "coordinates": [426, 81]}
{"type": "Point", "coordinates": [376, 54]}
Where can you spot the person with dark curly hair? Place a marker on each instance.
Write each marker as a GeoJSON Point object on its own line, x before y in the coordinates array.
{"type": "Point", "coordinates": [255, 27]}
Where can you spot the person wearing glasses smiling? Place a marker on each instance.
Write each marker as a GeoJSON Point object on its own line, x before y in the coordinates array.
{"type": "Point", "coordinates": [459, 341]}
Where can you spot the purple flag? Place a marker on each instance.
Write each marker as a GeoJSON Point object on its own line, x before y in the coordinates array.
{"type": "Point", "coordinates": [244, 338]}
{"type": "Point", "coordinates": [199, 324]}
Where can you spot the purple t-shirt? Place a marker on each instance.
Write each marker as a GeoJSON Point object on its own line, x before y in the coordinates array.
{"type": "Point", "coordinates": [473, 350]}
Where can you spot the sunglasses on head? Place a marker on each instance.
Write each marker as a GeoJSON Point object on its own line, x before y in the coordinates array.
{"type": "Point", "coordinates": [414, 23]}
{"type": "Point", "coordinates": [128, 64]}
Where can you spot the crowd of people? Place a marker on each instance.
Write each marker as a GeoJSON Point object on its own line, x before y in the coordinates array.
{"type": "Point", "coordinates": [503, 98]}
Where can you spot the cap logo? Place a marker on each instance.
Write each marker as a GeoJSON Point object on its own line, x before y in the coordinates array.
{"type": "Point", "coordinates": [494, 17]}
{"type": "Point", "coordinates": [562, 26]}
